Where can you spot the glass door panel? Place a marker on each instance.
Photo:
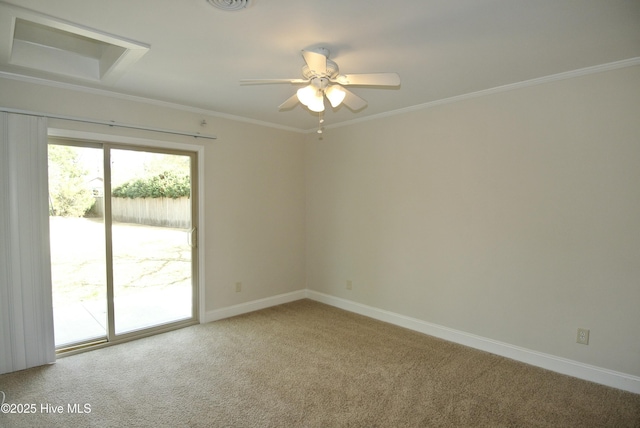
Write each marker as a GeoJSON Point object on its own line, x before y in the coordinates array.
{"type": "Point", "coordinates": [78, 266]}
{"type": "Point", "coordinates": [151, 233]}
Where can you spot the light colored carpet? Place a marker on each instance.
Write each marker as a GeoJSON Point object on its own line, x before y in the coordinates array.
{"type": "Point", "coordinates": [305, 364]}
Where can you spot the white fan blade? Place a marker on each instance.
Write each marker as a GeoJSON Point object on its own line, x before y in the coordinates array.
{"type": "Point", "coordinates": [290, 103]}
{"type": "Point", "coordinates": [317, 62]}
{"type": "Point", "coordinates": [266, 81]}
{"type": "Point", "coordinates": [369, 79]}
{"type": "Point", "coordinates": [353, 101]}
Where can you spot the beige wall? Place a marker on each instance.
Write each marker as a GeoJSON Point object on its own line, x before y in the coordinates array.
{"type": "Point", "coordinates": [513, 216]}
{"type": "Point", "coordinates": [253, 186]}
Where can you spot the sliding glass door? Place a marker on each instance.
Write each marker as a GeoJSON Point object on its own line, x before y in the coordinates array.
{"type": "Point", "coordinates": [123, 259]}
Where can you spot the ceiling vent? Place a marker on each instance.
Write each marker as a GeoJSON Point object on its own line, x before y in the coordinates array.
{"type": "Point", "coordinates": [47, 46]}
{"type": "Point", "coordinates": [229, 4]}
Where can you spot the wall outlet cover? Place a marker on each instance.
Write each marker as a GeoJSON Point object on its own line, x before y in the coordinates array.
{"type": "Point", "coordinates": [583, 336]}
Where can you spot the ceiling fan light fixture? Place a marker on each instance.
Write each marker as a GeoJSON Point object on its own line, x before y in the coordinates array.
{"type": "Point", "coordinates": [324, 80]}
{"type": "Point", "coordinates": [311, 97]}
{"type": "Point", "coordinates": [317, 105]}
{"type": "Point", "coordinates": [336, 95]}
{"type": "Point", "coordinates": [306, 94]}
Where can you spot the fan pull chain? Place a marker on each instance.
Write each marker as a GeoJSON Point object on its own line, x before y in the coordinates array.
{"type": "Point", "coordinates": [320, 122]}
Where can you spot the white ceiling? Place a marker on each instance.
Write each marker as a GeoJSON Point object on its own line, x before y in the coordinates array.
{"type": "Point", "coordinates": [440, 48]}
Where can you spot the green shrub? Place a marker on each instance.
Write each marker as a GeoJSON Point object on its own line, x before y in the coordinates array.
{"type": "Point", "coordinates": [165, 185]}
{"type": "Point", "coordinates": [68, 193]}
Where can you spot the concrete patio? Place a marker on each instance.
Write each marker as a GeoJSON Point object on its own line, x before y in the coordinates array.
{"type": "Point", "coordinates": [152, 278]}
{"type": "Point", "coordinates": [87, 320]}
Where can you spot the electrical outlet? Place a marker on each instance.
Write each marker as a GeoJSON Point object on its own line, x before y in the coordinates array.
{"type": "Point", "coordinates": [238, 287]}
{"type": "Point", "coordinates": [349, 284]}
{"type": "Point", "coordinates": [583, 336]}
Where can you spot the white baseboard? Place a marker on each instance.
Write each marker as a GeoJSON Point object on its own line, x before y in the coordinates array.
{"type": "Point", "coordinates": [565, 366]}
{"type": "Point", "coordinates": [255, 305]}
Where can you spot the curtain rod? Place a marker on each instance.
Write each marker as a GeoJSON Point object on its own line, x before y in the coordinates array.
{"type": "Point", "coordinates": [106, 123]}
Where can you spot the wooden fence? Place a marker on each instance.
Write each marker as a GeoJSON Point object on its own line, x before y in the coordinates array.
{"type": "Point", "coordinates": [153, 211]}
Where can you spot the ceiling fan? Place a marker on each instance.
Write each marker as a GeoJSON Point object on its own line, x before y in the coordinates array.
{"type": "Point", "coordinates": [322, 79]}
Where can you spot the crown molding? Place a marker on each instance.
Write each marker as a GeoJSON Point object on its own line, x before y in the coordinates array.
{"type": "Point", "coordinates": [510, 87]}
{"type": "Point", "coordinates": [136, 98]}
{"type": "Point", "coordinates": [181, 107]}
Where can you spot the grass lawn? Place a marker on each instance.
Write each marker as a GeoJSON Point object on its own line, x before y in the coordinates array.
{"type": "Point", "coordinates": [145, 257]}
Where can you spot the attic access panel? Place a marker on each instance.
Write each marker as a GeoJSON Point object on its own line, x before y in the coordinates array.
{"type": "Point", "coordinates": [48, 46]}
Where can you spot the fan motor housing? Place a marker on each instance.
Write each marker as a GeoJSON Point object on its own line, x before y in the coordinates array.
{"type": "Point", "coordinates": [332, 71]}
